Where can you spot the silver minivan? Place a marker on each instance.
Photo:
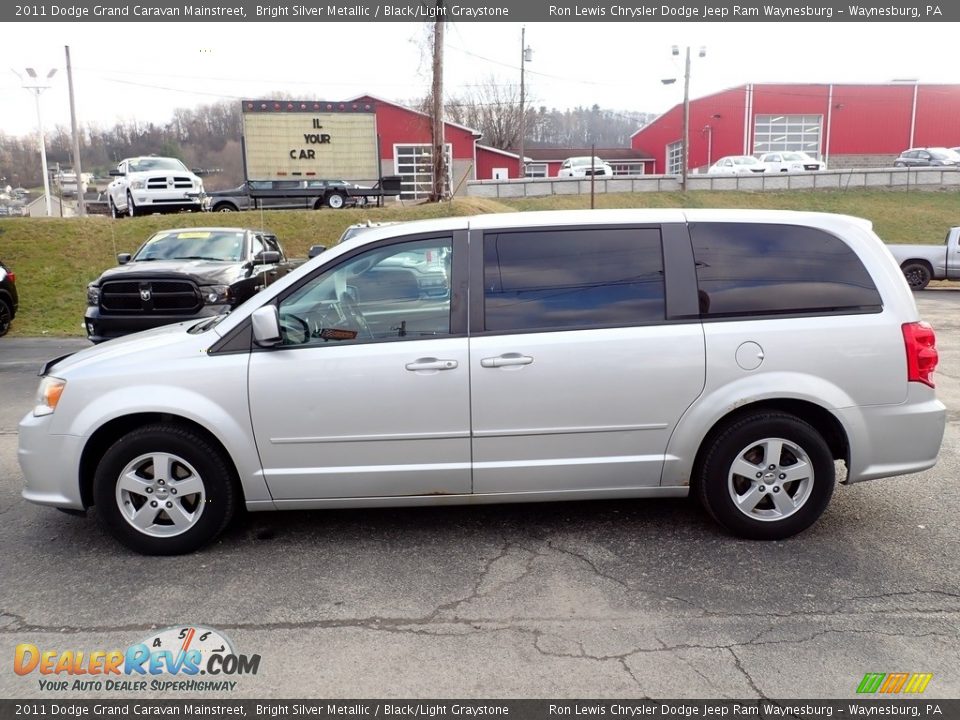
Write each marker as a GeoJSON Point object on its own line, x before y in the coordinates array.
{"type": "Point", "coordinates": [732, 355]}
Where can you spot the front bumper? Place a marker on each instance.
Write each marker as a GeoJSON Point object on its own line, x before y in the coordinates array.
{"type": "Point", "coordinates": [179, 200]}
{"type": "Point", "coordinates": [50, 464]}
{"type": "Point", "coordinates": [102, 327]}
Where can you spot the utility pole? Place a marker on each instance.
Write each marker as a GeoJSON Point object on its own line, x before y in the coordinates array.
{"type": "Point", "coordinates": [440, 191]}
{"type": "Point", "coordinates": [526, 54]}
{"type": "Point", "coordinates": [685, 150]}
{"type": "Point", "coordinates": [81, 203]}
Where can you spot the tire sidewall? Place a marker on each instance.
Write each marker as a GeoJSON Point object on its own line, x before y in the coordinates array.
{"type": "Point", "coordinates": [725, 450]}
{"type": "Point", "coordinates": [917, 267]}
{"type": "Point", "coordinates": [131, 208]}
{"type": "Point", "coordinates": [336, 201]}
{"type": "Point", "coordinates": [192, 448]}
{"type": "Point", "coordinates": [6, 317]}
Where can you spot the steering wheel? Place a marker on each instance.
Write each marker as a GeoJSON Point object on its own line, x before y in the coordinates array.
{"type": "Point", "coordinates": [351, 311]}
{"type": "Point", "coordinates": [294, 329]}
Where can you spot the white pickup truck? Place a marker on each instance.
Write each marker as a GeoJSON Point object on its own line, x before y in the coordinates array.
{"type": "Point", "coordinates": [153, 184]}
{"type": "Point", "coordinates": [923, 263]}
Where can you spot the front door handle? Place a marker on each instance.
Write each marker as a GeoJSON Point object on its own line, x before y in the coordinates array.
{"type": "Point", "coordinates": [431, 364]}
{"type": "Point", "coordinates": [506, 360]}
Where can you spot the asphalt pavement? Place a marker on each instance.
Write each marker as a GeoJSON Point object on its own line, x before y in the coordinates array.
{"type": "Point", "coordinates": [623, 599]}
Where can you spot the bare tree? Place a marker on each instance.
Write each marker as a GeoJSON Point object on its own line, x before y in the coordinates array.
{"type": "Point", "coordinates": [493, 108]}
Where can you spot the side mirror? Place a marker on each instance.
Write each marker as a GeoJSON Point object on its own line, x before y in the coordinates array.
{"type": "Point", "coordinates": [123, 258]}
{"type": "Point", "coordinates": [116, 173]}
{"type": "Point", "coordinates": [315, 250]}
{"type": "Point", "coordinates": [266, 257]}
{"type": "Point", "coordinates": [266, 326]}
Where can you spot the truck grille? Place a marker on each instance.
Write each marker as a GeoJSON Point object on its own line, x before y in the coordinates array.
{"type": "Point", "coordinates": [176, 297]}
{"type": "Point", "coordinates": [173, 182]}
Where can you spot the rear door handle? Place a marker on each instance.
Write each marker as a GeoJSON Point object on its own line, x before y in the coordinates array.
{"type": "Point", "coordinates": [431, 364]}
{"type": "Point", "coordinates": [506, 360]}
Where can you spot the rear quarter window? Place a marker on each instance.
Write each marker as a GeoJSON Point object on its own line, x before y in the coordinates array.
{"type": "Point", "coordinates": [757, 269]}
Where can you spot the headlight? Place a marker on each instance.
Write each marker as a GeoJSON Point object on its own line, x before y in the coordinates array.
{"type": "Point", "coordinates": [137, 185]}
{"type": "Point", "coordinates": [217, 294]}
{"type": "Point", "coordinates": [93, 295]}
{"type": "Point", "coordinates": [48, 395]}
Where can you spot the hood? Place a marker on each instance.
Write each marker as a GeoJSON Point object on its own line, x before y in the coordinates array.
{"type": "Point", "coordinates": [202, 272]}
{"type": "Point", "coordinates": [160, 340]}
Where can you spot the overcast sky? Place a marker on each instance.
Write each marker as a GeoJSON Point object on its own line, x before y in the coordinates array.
{"type": "Point", "coordinates": [146, 70]}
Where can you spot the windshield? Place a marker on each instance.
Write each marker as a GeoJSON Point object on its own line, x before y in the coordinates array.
{"type": "Point", "coordinates": [944, 154]}
{"type": "Point", "coordinates": [224, 245]}
{"type": "Point", "coordinates": [586, 161]}
{"type": "Point", "coordinates": [156, 163]}
{"type": "Point", "coordinates": [745, 160]}
{"type": "Point", "coordinates": [794, 156]}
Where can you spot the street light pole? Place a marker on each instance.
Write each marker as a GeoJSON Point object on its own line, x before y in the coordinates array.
{"type": "Point", "coordinates": [686, 122]}
{"type": "Point", "coordinates": [37, 89]}
{"type": "Point", "coordinates": [685, 152]}
{"type": "Point", "coordinates": [526, 54]}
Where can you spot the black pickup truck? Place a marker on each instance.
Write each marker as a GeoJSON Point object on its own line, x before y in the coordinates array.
{"type": "Point", "coordinates": [180, 275]}
{"type": "Point", "coordinates": [301, 194]}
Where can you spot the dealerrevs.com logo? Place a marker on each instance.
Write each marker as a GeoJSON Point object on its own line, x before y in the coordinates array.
{"type": "Point", "coordinates": [894, 683]}
{"type": "Point", "coordinates": [181, 652]}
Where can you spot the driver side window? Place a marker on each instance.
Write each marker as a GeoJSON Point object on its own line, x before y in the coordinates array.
{"type": "Point", "coordinates": [387, 293]}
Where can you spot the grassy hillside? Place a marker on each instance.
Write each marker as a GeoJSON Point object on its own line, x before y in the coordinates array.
{"type": "Point", "coordinates": [55, 258]}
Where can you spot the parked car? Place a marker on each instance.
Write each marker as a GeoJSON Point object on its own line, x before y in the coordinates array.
{"type": "Point", "coordinates": [732, 355]}
{"type": "Point", "coordinates": [737, 165]}
{"type": "Point", "coordinates": [928, 157]}
{"type": "Point", "coordinates": [790, 161]}
{"type": "Point", "coordinates": [9, 300]}
{"type": "Point", "coordinates": [182, 274]}
{"type": "Point", "coordinates": [153, 184]}
{"type": "Point", "coordinates": [585, 166]}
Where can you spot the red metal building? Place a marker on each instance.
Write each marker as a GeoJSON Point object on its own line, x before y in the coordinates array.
{"type": "Point", "coordinates": [846, 125]}
{"type": "Point", "coordinates": [406, 147]}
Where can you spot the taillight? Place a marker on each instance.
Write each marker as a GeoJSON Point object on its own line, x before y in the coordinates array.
{"type": "Point", "coordinates": [12, 277]}
{"type": "Point", "coordinates": [921, 345]}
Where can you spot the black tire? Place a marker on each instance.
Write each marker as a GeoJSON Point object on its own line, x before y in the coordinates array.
{"type": "Point", "coordinates": [225, 207]}
{"type": "Point", "coordinates": [899, 164]}
{"type": "Point", "coordinates": [131, 208]}
{"type": "Point", "coordinates": [918, 275]}
{"type": "Point", "coordinates": [6, 316]}
{"type": "Point", "coordinates": [195, 459]}
{"type": "Point", "coordinates": [742, 443]}
{"type": "Point", "coordinates": [336, 200]}
{"type": "Point", "coordinates": [114, 213]}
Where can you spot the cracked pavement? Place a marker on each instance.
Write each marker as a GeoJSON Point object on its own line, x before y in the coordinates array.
{"type": "Point", "coordinates": [629, 599]}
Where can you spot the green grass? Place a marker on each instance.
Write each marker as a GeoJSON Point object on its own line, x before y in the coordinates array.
{"type": "Point", "coordinates": [55, 258]}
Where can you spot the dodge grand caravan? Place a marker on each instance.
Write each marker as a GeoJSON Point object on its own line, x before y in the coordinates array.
{"type": "Point", "coordinates": [730, 355]}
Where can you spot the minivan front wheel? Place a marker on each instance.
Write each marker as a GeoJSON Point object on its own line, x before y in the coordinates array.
{"type": "Point", "coordinates": [164, 490]}
{"type": "Point", "coordinates": [766, 476]}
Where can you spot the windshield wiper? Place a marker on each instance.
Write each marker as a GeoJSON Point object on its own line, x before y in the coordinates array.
{"type": "Point", "coordinates": [197, 257]}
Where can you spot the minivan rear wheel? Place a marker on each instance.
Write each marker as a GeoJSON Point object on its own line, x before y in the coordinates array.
{"type": "Point", "coordinates": [766, 476]}
{"type": "Point", "coordinates": [164, 490]}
